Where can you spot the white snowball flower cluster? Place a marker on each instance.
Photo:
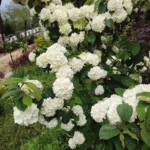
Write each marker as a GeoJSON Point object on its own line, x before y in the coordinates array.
{"type": "Point", "coordinates": [27, 90]}
{"type": "Point", "coordinates": [99, 90]}
{"type": "Point", "coordinates": [50, 106]}
{"type": "Point", "coordinates": [63, 88]}
{"type": "Point", "coordinates": [32, 56]}
{"type": "Point", "coordinates": [90, 58]}
{"type": "Point", "coordinates": [98, 23]}
{"type": "Point", "coordinates": [78, 139]}
{"type": "Point", "coordinates": [76, 64]}
{"type": "Point", "coordinates": [74, 14]}
{"type": "Point", "coordinates": [42, 61]}
{"type": "Point", "coordinates": [46, 35]}
{"type": "Point", "coordinates": [57, 2]}
{"type": "Point", "coordinates": [114, 5]}
{"type": "Point", "coordinates": [57, 47]}
{"type": "Point", "coordinates": [78, 111]}
{"type": "Point", "coordinates": [75, 38]}
{"type": "Point", "coordinates": [107, 107]}
{"type": "Point", "coordinates": [27, 117]}
{"type": "Point", "coordinates": [65, 72]}
{"type": "Point", "coordinates": [32, 11]}
{"type": "Point", "coordinates": [52, 123]}
{"type": "Point", "coordinates": [68, 127]}
{"type": "Point", "coordinates": [65, 28]}
{"type": "Point", "coordinates": [44, 14]}
{"type": "Point", "coordinates": [97, 73]}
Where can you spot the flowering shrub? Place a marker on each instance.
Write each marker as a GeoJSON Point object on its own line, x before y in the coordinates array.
{"type": "Point", "coordinates": [97, 94]}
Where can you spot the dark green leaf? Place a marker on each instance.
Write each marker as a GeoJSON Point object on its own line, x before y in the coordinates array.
{"type": "Point", "coordinates": [10, 93]}
{"type": "Point", "coordinates": [109, 23]}
{"type": "Point", "coordinates": [108, 131]}
{"type": "Point", "coordinates": [128, 82]}
{"type": "Point", "coordinates": [130, 143]}
{"type": "Point", "coordinates": [125, 112]}
{"type": "Point", "coordinates": [135, 48]}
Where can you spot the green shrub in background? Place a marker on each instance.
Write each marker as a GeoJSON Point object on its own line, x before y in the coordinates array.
{"type": "Point", "coordinates": [49, 140]}
{"type": "Point", "coordinates": [41, 42]}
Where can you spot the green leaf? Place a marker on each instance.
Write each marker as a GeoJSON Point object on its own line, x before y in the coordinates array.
{"type": "Point", "coordinates": [27, 100]}
{"type": "Point", "coordinates": [117, 143]}
{"type": "Point", "coordinates": [135, 49]}
{"type": "Point", "coordinates": [125, 112]}
{"type": "Point", "coordinates": [99, 147]}
{"type": "Point", "coordinates": [145, 135]}
{"type": "Point", "coordinates": [12, 81]}
{"type": "Point", "coordinates": [147, 119]}
{"type": "Point", "coordinates": [91, 37]}
{"type": "Point", "coordinates": [109, 23]}
{"type": "Point", "coordinates": [145, 96]}
{"type": "Point", "coordinates": [122, 140]}
{"type": "Point", "coordinates": [77, 100]}
{"type": "Point", "coordinates": [130, 134]}
{"type": "Point", "coordinates": [97, 3]}
{"type": "Point", "coordinates": [108, 131]}
{"type": "Point", "coordinates": [88, 2]}
{"type": "Point", "coordinates": [128, 82]}
{"type": "Point", "coordinates": [141, 111]}
{"type": "Point", "coordinates": [130, 143]}
{"type": "Point", "coordinates": [145, 147]}
{"type": "Point", "coordinates": [119, 91]}
{"type": "Point", "coordinates": [34, 90]}
{"type": "Point", "coordinates": [10, 93]}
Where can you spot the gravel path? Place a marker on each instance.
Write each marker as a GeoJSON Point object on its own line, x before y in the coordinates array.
{"type": "Point", "coordinates": [5, 59]}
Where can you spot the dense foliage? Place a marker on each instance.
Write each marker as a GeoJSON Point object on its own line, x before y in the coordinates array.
{"type": "Point", "coordinates": [96, 91]}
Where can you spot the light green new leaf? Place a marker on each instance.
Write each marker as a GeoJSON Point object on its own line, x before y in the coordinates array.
{"type": "Point", "coordinates": [12, 81]}
{"type": "Point", "coordinates": [108, 131]}
{"type": "Point", "coordinates": [34, 91]}
{"type": "Point", "coordinates": [122, 140]}
{"type": "Point", "coordinates": [97, 3]}
{"type": "Point", "coordinates": [88, 2]}
{"type": "Point", "coordinates": [145, 96]}
{"type": "Point", "coordinates": [10, 93]}
{"type": "Point", "coordinates": [141, 111]}
{"type": "Point", "coordinates": [125, 112]}
{"type": "Point", "coordinates": [130, 134]}
{"type": "Point", "coordinates": [27, 100]}
{"type": "Point", "coordinates": [119, 91]}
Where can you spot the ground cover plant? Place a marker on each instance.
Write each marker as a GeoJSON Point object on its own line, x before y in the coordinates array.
{"type": "Point", "coordinates": [96, 92]}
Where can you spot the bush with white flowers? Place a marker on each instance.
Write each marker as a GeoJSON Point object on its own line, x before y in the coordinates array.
{"type": "Point", "coordinates": [97, 94]}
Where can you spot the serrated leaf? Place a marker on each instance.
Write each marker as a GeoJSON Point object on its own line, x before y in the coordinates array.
{"type": "Point", "coordinates": [109, 23]}
{"type": "Point", "coordinates": [27, 100]}
{"type": "Point", "coordinates": [108, 131]}
{"type": "Point", "coordinates": [145, 135]}
{"type": "Point", "coordinates": [135, 49]}
{"type": "Point", "coordinates": [119, 91]}
{"type": "Point", "coordinates": [12, 81]}
{"type": "Point", "coordinates": [121, 137]}
{"type": "Point", "coordinates": [130, 134]}
{"type": "Point", "coordinates": [125, 112]}
{"type": "Point", "coordinates": [117, 143]}
{"type": "Point", "coordinates": [147, 119]}
{"type": "Point", "coordinates": [34, 90]}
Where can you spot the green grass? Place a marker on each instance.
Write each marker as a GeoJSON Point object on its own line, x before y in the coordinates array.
{"type": "Point", "coordinates": [33, 137]}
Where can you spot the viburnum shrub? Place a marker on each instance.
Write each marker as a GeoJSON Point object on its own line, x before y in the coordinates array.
{"type": "Point", "coordinates": [96, 94]}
